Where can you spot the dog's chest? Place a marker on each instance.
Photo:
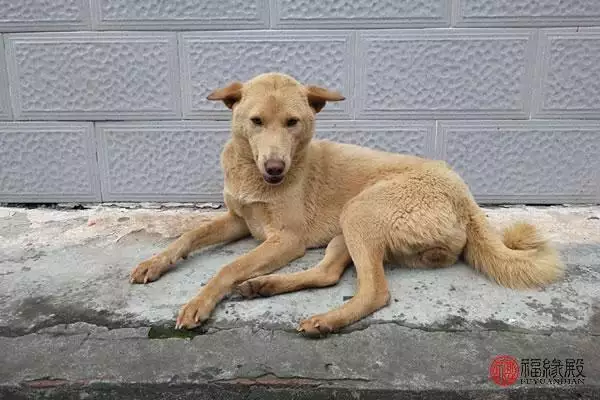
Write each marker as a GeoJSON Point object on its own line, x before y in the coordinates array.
{"type": "Point", "coordinates": [253, 213]}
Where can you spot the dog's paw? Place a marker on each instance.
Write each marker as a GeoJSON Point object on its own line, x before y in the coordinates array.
{"type": "Point", "coordinates": [254, 288]}
{"type": "Point", "coordinates": [147, 271]}
{"type": "Point", "coordinates": [316, 326]}
{"type": "Point", "coordinates": [193, 314]}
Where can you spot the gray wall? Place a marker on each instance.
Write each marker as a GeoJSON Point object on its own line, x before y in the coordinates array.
{"type": "Point", "coordinates": [105, 99]}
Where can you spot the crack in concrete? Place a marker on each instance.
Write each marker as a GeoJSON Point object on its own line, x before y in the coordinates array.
{"type": "Point", "coordinates": [272, 379]}
{"type": "Point", "coordinates": [207, 330]}
{"type": "Point", "coordinates": [268, 378]}
{"type": "Point", "coordinates": [85, 339]}
{"type": "Point", "coordinates": [11, 332]}
{"type": "Point", "coordinates": [443, 329]}
{"type": "Point", "coordinates": [476, 327]}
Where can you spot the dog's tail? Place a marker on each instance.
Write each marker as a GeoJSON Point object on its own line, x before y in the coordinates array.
{"type": "Point", "coordinates": [519, 259]}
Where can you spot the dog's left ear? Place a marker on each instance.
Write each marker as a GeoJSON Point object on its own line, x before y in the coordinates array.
{"type": "Point", "coordinates": [318, 97]}
{"type": "Point", "coordinates": [230, 94]}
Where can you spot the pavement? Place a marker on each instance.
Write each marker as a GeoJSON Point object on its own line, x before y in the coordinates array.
{"type": "Point", "coordinates": [72, 326]}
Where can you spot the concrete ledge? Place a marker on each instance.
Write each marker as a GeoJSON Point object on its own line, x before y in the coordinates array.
{"type": "Point", "coordinates": [72, 327]}
{"type": "Point", "coordinates": [382, 360]}
{"type": "Point", "coordinates": [282, 392]}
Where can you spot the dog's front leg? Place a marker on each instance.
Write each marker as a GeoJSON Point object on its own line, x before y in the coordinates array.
{"type": "Point", "coordinates": [278, 250]}
{"type": "Point", "coordinates": [221, 229]}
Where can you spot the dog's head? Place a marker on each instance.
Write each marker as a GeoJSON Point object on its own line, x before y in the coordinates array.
{"type": "Point", "coordinates": [275, 114]}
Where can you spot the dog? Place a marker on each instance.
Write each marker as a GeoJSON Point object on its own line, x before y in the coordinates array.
{"type": "Point", "coordinates": [368, 207]}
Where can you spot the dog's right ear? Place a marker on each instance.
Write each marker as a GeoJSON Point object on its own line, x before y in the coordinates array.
{"type": "Point", "coordinates": [318, 97]}
{"type": "Point", "coordinates": [230, 94]}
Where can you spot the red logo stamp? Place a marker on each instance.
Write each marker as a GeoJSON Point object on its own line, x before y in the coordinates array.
{"type": "Point", "coordinates": [504, 370]}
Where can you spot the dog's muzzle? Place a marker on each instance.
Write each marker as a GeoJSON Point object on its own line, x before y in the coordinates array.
{"type": "Point", "coordinates": [274, 171]}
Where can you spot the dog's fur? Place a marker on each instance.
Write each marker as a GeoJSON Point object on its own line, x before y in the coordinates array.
{"type": "Point", "coordinates": [367, 206]}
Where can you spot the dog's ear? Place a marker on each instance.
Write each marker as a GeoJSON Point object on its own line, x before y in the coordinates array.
{"type": "Point", "coordinates": [230, 94]}
{"type": "Point", "coordinates": [318, 97]}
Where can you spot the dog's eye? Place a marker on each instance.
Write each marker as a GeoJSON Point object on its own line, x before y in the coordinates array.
{"type": "Point", "coordinates": [291, 122]}
{"type": "Point", "coordinates": [256, 121]}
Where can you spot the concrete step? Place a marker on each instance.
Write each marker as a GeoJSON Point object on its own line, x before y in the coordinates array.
{"type": "Point", "coordinates": [72, 326]}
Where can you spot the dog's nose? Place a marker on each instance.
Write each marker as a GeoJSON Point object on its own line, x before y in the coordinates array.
{"type": "Point", "coordinates": [274, 167]}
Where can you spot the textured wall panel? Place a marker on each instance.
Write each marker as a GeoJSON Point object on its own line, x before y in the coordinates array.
{"type": "Point", "coordinates": [93, 75]}
{"type": "Point", "coordinates": [527, 13]}
{"type": "Point", "coordinates": [445, 74]}
{"type": "Point", "coordinates": [48, 162]}
{"type": "Point", "coordinates": [5, 112]}
{"type": "Point", "coordinates": [541, 161]}
{"type": "Point", "coordinates": [211, 60]}
{"type": "Point", "coordinates": [43, 15]}
{"type": "Point", "coordinates": [181, 14]}
{"type": "Point", "coordinates": [176, 161]}
{"type": "Point", "coordinates": [406, 137]}
{"type": "Point", "coordinates": [569, 75]}
{"type": "Point", "coordinates": [360, 14]}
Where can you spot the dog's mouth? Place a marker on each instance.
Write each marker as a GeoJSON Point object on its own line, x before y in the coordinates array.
{"type": "Point", "coordinates": [273, 180]}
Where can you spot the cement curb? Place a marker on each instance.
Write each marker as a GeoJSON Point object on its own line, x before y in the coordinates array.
{"type": "Point", "coordinates": [382, 361]}
{"type": "Point", "coordinates": [283, 391]}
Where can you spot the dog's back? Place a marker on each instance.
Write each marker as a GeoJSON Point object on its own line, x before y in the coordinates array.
{"type": "Point", "coordinates": [339, 171]}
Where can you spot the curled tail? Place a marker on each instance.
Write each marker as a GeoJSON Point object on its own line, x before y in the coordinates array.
{"type": "Point", "coordinates": [519, 259]}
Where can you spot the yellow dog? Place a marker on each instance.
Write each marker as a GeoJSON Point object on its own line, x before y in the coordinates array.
{"type": "Point", "coordinates": [294, 193]}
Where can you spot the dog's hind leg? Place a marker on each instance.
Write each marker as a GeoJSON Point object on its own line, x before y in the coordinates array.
{"type": "Point", "coordinates": [364, 229]}
{"type": "Point", "coordinates": [225, 228]}
{"type": "Point", "coordinates": [411, 217]}
{"type": "Point", "coordinates": [325, 273]}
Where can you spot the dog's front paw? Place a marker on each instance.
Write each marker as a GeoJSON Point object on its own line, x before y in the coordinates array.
{"type": "Point", "coordinates": [147, 271]}
{"type": "Point", "coordinates": [316, 326]}
{"type": "Point", "coordinates": [193, 314]}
